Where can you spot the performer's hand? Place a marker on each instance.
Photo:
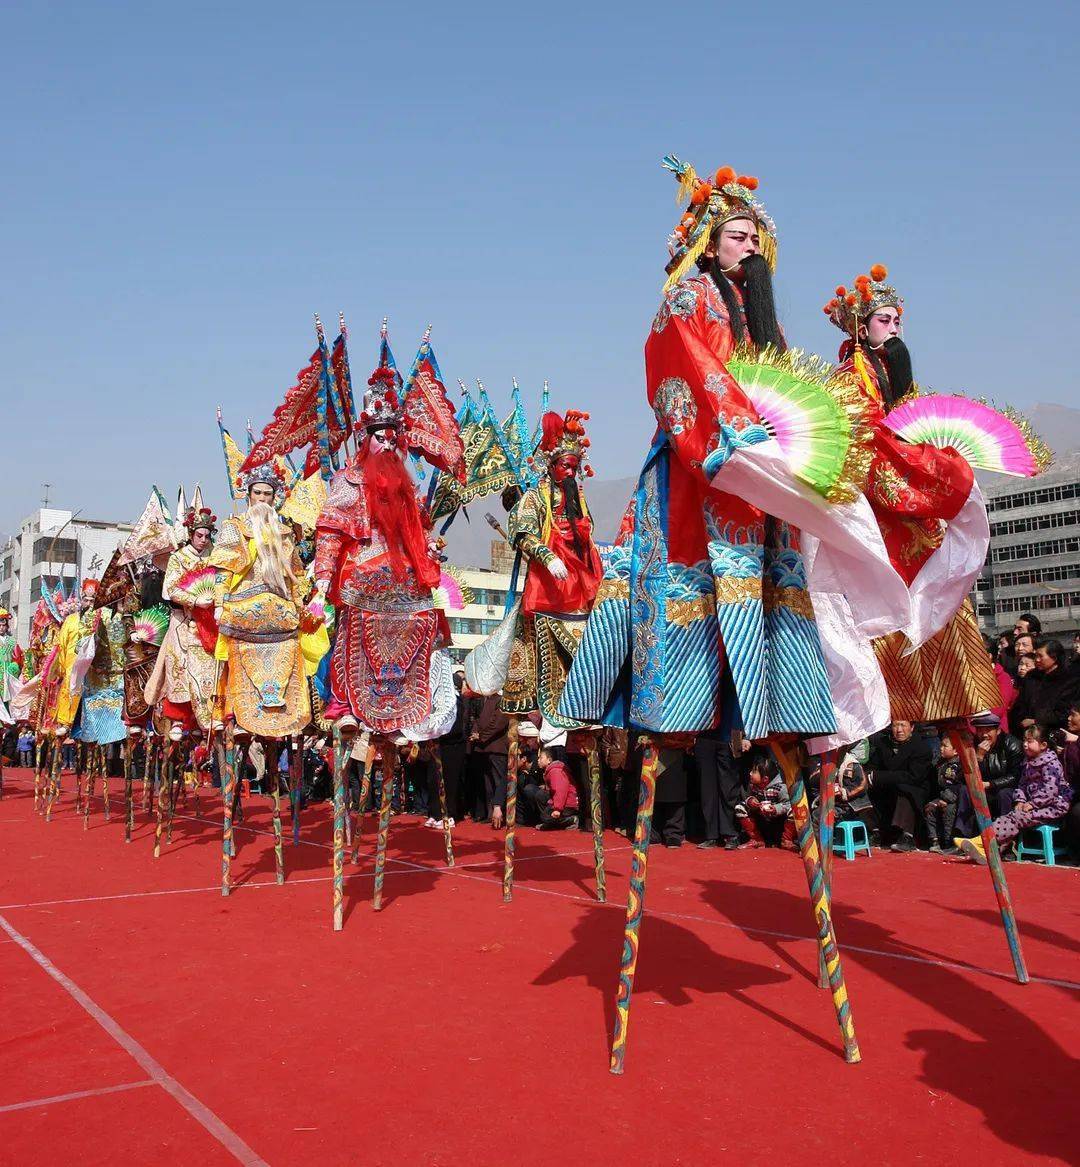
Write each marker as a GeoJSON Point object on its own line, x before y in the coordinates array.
{"type": "Point", "coordinates": [1023, 807]}
{"type": "Point", "coordinates": [204, 601]}
{"type": "Point", "coordinates": [558, 568]}
{"type": "Point", "coordinates": [136, 638]}
{"type": "Point", "coordinates": [218, 613]}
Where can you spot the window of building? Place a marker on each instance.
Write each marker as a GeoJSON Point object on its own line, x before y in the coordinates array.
{"type": "Point", "coordinates": [50, 550]}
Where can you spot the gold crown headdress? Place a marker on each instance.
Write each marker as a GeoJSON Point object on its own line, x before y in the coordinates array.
{"type": "Point", "coordinates": [560, 436]}
{"type": "Point", "coordinates": [868, 293]}
{"type": "Point", "coordinates": [713, 202]}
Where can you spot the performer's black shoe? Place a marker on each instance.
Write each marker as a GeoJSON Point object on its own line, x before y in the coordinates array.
{"type": "Point", "coordinates": [904, 844]}
{"type": "Point", "coordinates": [707, 844]}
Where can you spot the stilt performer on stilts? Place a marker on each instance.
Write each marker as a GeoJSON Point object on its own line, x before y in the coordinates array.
{"type": "Point", "coordinates": [549, 527]}
{"type": "Point", "coordinates": [922, 489]}
{"type": "Point", "coordinates": [377, 562]}
{"type": "Point", "coordinates": [703, 620]}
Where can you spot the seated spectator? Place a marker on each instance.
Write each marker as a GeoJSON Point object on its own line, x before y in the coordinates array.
{"type": "Point", "coordinates": [850, 788]}
{"type": "Point", "coordinates": [1046, 692]}
{"type": "Point", "coordinates": [1001, 759]}
{"type": "Point", "coordinates": [940, 812]}
{"type": "Point", "coordinates": [554, 795]}
{"type": "Point", "coordinates": [901, 781]}
{"type": "Point", "coordinates": [765, 814]}
{"type": "Point", "coordinates": [1043, 795]}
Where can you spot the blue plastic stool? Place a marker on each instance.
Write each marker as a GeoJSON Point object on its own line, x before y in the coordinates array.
{"type": "Point", "coordinates": [1044, 849]}
{"type": "Point", "coordinates": [845, 841]}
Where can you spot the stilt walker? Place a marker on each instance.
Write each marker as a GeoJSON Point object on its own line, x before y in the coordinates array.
{"type": "Point", "coordinates": [703, 620]}
{"type": "Point", "coordinates": [550, 528]}
{"type": "Point", "coordinates": [377, 562]}
{"type": "Point", "coordinates": [933, 520]}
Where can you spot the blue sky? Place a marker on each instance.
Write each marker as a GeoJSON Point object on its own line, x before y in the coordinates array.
{"type": "Point", "coordinates": [184, 185]}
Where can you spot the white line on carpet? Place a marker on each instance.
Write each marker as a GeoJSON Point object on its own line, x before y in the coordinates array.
{"type": "Point", "coordinates": [202, 1114]}
{"type": "Point", "coordinates": [34, 1103]}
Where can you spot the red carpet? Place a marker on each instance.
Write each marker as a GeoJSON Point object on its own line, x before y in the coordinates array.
{"type": "Point", "coordinates": [453, 1029]}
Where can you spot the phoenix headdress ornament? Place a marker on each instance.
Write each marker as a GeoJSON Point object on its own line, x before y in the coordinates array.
{"type": "Point", "coordinates": [713, 202]}
{"type": "Point", "coordinates": [868, 294]}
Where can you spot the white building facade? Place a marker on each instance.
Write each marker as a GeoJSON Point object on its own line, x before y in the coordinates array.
{"type": "Point", "coordinates": [52, 545]}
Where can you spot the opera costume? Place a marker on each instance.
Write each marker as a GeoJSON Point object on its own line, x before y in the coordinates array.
{"type": "Point", "coordinates": [704, 619]}
{"type": "Point", "coordinates": [11, 659]}
{"type": "Point", "coordinates": [376, 562]}
{"type": "Point", "coordinates": [260, 593]}
{"type": "Point", "coordinates": [551, 528]}
{"type": "Point", "coordinates": [182, 684]}
{"type": "Point", "coordinates": [933, 521]}
{"type": "Point", "coordinates": [76, 647]}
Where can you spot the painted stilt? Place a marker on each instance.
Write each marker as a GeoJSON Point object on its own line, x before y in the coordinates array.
{"type": "Point", "coordinates": [635, 904]}
{"type": "Point", "coordinates": [436, 757]}
{"type": "Point", "coordinates": [596, 812]}
{"type": "Point", "coordinates": [969, 763]}
{"type": "Point", "coordinates": [388, 758]}
{"type": "Point", "coordinates": [512, 758]}
{"type": "Point", "coordinates": [227, 794]}
{"type": "Point", "coordinates": [341, 758]}
{"type": "Point", "coordinates": [273, 775]}
{"type": "Point", "coordinates": [808, 849]}
{"type": "Point", "coordinates": [826, 827]}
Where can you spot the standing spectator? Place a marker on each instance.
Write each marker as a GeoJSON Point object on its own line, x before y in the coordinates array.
{"type": "Point", "coordinates": [1028, 625]}
{"type": "Point", "coordinates": [552, 792]}
{"type": "Point", "coordinates": [941, 809]}
{"type": "Point", "coordinates": [1043, 795]}
{"type": "Point", "coordinates": [1045, 693]}
{"type": "Point", "coordinates": [622, 779]}
{"type": "Point", "coordinates": [901, 781]}
{"type": "Point", "coordinates": [26, 748]}
{"type": "Point", "coordinates": [490, 741]}
{"type": "Point", "coordinates": [720, 788]}
{"type": "Point", "coordinates": [1070, 759]}
{"type": "Point", "coordinates": [765, 814]}
{"type": "Point", "coordinates": [453, 752]}
{"type": "Point", "coordinates": [669, 815]}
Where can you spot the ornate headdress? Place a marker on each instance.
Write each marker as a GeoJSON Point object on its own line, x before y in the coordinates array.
{"type": "Point", "coordinates": [201, 519]}
{"type": "Point", "coordinates": [868, 293]}
{"type": "Point", "coordinates": [383, 407]}
{"type": "Point", "coordinates": [5, 614]}
{"type": "Point", "coordinates": [266, 474]}
{"type": "Point", "coordinates": [563, 435]}
{"type": "Point", "coordinates": [713, 202]}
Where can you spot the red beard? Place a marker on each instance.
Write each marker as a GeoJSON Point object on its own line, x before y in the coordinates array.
{"type": "Point", "coordinates": [395, 514]}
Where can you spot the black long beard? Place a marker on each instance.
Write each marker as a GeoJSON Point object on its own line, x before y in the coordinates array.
{"type": "Point", "coordinates": [761, 324]}
{"type": "Point", "coordinates": [892, 365]}
{"type": "Point", "coordinates": [573, 510]}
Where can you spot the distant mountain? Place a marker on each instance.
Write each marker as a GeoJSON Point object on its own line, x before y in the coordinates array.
{"type": "Point", "coordinates": [469, 543]}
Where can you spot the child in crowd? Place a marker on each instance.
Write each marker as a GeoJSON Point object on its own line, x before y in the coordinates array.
{"type": "Point", "coordinates": [1043, 795]}
{"type": "Point", "coordinates": [765, 816]}
{"type": "Point", "coordinates": [941, 810]}
{"type": "Point", "coordinates": [555, 796]}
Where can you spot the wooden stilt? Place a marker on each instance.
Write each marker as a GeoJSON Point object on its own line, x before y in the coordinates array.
{"type": "Point", "coordinates": [388, 759]}
{"type": "Point", "coordinates": [274, 775]}
{"type": "Point", "coordinates": [296, 783]}
{"type": "Point", "coordinates": [365, 794]}
{"type": "Point", "coordinates": [787, 757]}
{"type": "Point", "coordinates": [512, 756]}
{"type": "Point", "coordinates": [635, 905]}
{"type": "Point", "coordinates": [129, 789]}
{"type": "Point", "coordinates": [436, 758]}
{"type": "Point", "coordinates": [596, 813]}
{"type": "Point", "coordinates": [103, 754]}
{"type": "Point", "coordinates": [54, 777]}
{"type": "Point", "coordinates": [826, 827]}
{"type": "Point", "coordinates": [342, 746]}
{"type": "Point", "coordinates": [228, 791]}
{"type": "Point", "coordinates": [163, 796]}
{"type": "Point", "coordinates": [969, 763]}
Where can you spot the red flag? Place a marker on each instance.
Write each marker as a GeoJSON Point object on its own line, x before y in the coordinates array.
{"type": "Point", "coordinates": [293, 423]}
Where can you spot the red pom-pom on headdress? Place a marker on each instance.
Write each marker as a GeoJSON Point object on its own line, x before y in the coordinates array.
{"type": "Point", "coordinates": [552, 426]}
{"type": "Point", "coordinates": [749, 181]}
{"type": "Point", "coordinates": [724, 175]}
{"type": "Point", "coordinates": [879, 272]}
{"type": "Point", "coordinates": [701, 195]}
{"type": "Point", "coordinates": [383, 375]}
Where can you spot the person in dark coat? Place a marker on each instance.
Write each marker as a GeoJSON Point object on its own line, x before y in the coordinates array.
{"type": "Point", "coordinates": [490, 740]}
{"type": "Point", "coordinates": [721, 788]}
{"type": "Point", "coordinates": [1001, 759]}
{"type": "Point", "coordinates": [901, 781]}
{"type": "Point", "coordinates": [669, 815]}
{"type": "Point", "coordinates": [1047, 691]}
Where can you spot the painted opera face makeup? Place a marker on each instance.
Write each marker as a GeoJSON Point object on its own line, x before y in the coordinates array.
{"type": "Point", "coordinates": [881, 326]}
{"type": "Point", "coordinates": [564, 467]}
{"type": "Point", "coordinates": [261, 492]}
{"type": "Point", "coordinates": [200, 538]}
{"type": "Point", "coordinates": [736, 240]}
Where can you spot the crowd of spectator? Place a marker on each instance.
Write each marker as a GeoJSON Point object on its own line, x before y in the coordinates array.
{"type": "Point", "coordinates": [906, 784]}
